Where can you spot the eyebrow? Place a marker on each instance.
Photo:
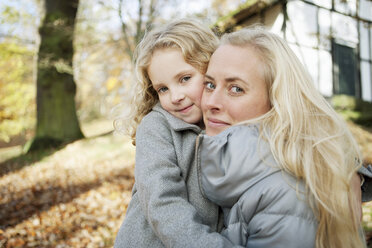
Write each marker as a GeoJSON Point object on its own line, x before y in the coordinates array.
{"type": "Point", "coordinates": [178, 75]}
{"type": "Point", "coordinates": [228, 79]}
{"type": "Point", "coordinates": [156, 84]}
{"type": "Point", "coordinates": [209, 77]}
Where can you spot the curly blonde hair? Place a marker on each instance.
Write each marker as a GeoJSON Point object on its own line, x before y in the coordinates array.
{"type": "Point", "coordinates": [307, 137]}
{"type": "Point", "coordinates": [196, 41]}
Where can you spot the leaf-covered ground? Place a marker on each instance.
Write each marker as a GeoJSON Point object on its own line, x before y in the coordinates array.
{"type": "Point", "coordinates": [77, 196]}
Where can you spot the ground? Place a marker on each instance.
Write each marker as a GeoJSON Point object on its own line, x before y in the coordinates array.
{"type": "Point", "coordinates": [74, 197]}
{"type": "Point", "coordinates": [77, 196]}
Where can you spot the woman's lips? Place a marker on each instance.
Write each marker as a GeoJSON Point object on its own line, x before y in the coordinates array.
{"type": "Point", "coordinates": [216, 122]}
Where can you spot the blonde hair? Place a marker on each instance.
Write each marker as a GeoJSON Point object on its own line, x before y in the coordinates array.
{"type": "Point", "coordinates": [196, 42]}
{"type": "Point", "coordinates": [307, 138]}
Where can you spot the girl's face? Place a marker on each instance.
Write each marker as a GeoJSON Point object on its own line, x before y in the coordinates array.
{"type": "Point", "coordinates": [235, 89]}
{"type": "Point", "coordinates": [178, 84]}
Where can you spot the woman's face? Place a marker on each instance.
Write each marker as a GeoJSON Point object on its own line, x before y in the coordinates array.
{"type": "Point", "coordinates": [235, 89]}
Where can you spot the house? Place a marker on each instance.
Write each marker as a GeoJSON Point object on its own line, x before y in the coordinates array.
{"type": "Point", "coordinates": [332, 38]}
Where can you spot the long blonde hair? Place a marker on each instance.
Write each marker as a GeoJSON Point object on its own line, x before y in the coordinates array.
{"type": "Point", "coordinates": [307, 138]}
{"type": "Point", "coordinates": [196, 41]}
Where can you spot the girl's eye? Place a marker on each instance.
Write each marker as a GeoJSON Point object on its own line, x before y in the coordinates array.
{"type": "Point", "coordinates": [185, 79]}
{"type": "Point", "coordinates": [209, 85]}
{"type": "Point", "coordinates": [162, 90]}
{"type": "Point", "coordinates": [236, 89]}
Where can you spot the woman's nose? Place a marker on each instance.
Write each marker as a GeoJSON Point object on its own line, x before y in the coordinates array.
{"type": "Point", "coordinates": [213, 101]}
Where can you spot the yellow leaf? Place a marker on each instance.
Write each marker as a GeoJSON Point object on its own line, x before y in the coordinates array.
{"type": "Point", "coordinates": [114, 195]}
{"type": "Point", "coordinates": [111, 83]}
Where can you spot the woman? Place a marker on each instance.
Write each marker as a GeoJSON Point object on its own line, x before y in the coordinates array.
{"type": "Point", "coordinates": [285, 179]}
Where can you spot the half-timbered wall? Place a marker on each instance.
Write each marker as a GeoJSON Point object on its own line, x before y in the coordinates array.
{"type": "Point", "coordinates": [332, 38]}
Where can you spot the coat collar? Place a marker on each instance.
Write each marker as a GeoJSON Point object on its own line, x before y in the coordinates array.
{"type": "Point", "coordinates": [174, 122]}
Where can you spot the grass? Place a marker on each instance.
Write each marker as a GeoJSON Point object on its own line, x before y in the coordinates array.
{"type": "Point", "coordinates": [10, 152]}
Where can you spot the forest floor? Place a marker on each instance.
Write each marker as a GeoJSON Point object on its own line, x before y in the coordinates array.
{"type": "Point", "coordinates": [77, 196]}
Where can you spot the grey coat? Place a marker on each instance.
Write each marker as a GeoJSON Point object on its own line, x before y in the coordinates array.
{"type": "Point", "coordinates": [167, 207]}
{"type": "Point", "coordinates": [260, 202]}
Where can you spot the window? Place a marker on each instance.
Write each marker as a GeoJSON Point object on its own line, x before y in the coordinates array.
{"type": "Point", "coordinates": [345, 70]}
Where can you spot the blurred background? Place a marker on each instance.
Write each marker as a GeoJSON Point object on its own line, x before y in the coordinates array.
{"type": "Point", "coordinates": [65, 175]}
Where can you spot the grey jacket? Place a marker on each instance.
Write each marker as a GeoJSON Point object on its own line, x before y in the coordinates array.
{"type": "Point", "coordinates": [167, 207]}
{"type": "Point", "coordinates": [260, 202]}
{"type": "Point", "coordinates": [261, 206]}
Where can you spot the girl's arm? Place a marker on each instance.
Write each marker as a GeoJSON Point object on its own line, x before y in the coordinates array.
{"type": "Point", "coordinates": [162, 190]}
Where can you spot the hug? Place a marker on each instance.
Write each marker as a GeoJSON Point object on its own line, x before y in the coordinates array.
{"type": "Point", "coordinates": [235, 147]}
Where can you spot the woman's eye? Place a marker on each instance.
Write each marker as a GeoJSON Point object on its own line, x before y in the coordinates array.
{"type": "Point", "coordinates": [209, 85]}
{"type": "Point", "coordinates": [236, 89]}
{"type": "Point", "coordinates": [185, 79]}
{"type": "Point", "coordinates": [162, 90]}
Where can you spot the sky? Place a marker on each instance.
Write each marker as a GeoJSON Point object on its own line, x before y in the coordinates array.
{"type": "Point", "coordinates": [22, 25]}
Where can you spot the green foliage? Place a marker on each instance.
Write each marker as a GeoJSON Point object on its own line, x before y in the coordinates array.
{"type": "Point", "coordinates": [17, 91]}
{"type": "Point", "coordinates": [10, 14]}
{"type": "Point", "coordinates": [353, 109]}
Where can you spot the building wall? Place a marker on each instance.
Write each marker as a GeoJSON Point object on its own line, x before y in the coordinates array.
{"type": "Point", "coordinates": [324, 38]}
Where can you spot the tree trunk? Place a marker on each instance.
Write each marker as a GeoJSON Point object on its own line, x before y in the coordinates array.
{"type": "Point", "coordinates": [57, 122]}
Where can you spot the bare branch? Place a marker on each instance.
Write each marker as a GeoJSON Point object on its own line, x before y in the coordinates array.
{"type": "Point", "coordinates": [138, 35]}
{"type": "Point", "coordinates": [152, 13]}
{"type": "Point", "coordinates": [128, 48]}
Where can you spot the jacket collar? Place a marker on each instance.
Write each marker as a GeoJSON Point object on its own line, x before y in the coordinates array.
{"type": "Point", "coordinates": [174, 122]}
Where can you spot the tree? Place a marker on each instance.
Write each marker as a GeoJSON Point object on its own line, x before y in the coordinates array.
{"type": "Point", "coordinates": [56, 121]}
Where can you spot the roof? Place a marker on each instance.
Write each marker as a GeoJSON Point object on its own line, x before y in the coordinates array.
{"type": "Point", "coordinates": [243, 12]}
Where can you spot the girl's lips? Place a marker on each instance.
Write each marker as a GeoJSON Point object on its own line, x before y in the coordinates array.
{"type": "Point", "coordinates": [184, 110]}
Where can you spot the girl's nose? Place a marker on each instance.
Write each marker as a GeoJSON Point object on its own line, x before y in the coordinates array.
{"type": "Point", "coordinates": [177, 96]}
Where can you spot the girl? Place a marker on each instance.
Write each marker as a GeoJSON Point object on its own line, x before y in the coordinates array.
{"type": "Point", "coordinates": [284, 179]}
{"type": "Point", "coordinates": [167, 208]}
